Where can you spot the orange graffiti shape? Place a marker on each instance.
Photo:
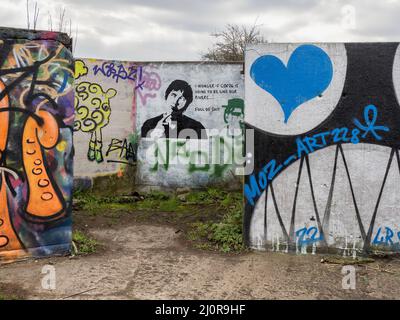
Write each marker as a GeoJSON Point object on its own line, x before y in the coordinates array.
{"type": "Point", "coordinates": [9, 242]}
{"type": "Point", "coordinates": [8, 238]}
{"type": "Point", "coordinates": [43, 200]}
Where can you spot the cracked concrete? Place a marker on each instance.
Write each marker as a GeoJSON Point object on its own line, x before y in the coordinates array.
{"type": "Point", "coordinates": [140, 261]}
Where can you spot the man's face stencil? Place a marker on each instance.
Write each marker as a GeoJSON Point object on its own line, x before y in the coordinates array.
{"type": "Point", "coordinates": [175, 100]}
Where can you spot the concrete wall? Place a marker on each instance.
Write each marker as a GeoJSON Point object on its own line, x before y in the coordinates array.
{"type": "Point", "coordinates": [326, 121]}
{"type": "Point", "coordinates": [105, 117]}
{"type": "Point", "coordinates": [111, 141]}
{"type": "Point", "coordinates": [36, 151]}
{"type": "Point", "coordinates": [177, 162]}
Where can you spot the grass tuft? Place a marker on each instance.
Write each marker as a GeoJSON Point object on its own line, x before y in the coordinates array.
{"type": "Point", "coordinates": [225, 235]}
{"type": "Point", "coordinates": [84, 243]}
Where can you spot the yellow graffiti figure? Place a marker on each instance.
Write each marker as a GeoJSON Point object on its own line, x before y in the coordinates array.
{"type": "Point", "coordinates": [92, 113]}
{"type": "Point", "coordinates": [80, 69]}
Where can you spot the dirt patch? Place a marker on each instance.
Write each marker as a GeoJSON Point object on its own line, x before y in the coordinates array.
{"type": "Point", "coordinates": [145, 254]}
{"type": "Point", "coordinates": [11, 291]}
{"type": "Point", "coordinates": [210, 219]}
{"type": "Point", "coordinates": [150, 261]}
{"type": "Point", "coordinates": [180, 225]}
{"type": "Point", "coordinates": [181, 222]}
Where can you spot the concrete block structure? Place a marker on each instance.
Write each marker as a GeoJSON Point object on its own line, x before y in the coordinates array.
{"type": "Point", "coordinates": [326, 121]}
{"type": "Point", "coordinates": [36, 147]}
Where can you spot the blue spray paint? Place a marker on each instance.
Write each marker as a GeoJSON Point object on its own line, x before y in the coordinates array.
{"type": "Point", "coordinates": [307, 145]}
{"type": "Point", "coordinates": [308, 73]}
{"type": "Point", "coordinates": [308, 235]}
{"type": "Point", "coordinates": [387, 239]}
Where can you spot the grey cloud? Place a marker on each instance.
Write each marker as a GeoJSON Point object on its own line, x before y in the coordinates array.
{"type": "Point", "coordinates": [180, 29]}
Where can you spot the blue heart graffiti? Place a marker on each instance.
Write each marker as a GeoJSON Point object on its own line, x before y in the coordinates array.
{"type": "Point", "coordinates": [308, 73]}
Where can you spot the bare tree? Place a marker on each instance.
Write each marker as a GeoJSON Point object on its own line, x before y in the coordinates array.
{"type": "Point", "coordinates": [64, 25]}
{"type": "Point", "coordinates": [232, 41]}
{"type": "Point", "coordinates": [36, 11]}
{"type": "Point", "coordinates": [27, 15]}
{"type": "Point", "coordinates": [49, 22]}
{"type": "Point", "coordinates": [61, 20]}
{"type": "Point", "coordinates": [35, 15]}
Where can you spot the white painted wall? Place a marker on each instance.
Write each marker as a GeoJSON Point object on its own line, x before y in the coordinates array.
{"type": "Point", "coordinates": [226, 82]}
{"type": "Point", "coordinates": [366, 165]}
{"type": "Point", "coordinates": [121, 123]}
{"type": "Point", "coordinates": [137, 101]}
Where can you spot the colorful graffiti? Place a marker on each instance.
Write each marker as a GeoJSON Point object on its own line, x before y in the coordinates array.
{"type": "Point", "coordinates": [105, 102]}
{"type": "Point", "coordinates": [192, 127]}
{"type": "Point", "coordinates": [93, 110]}
{"type": "Point", "coordinates": [234, 114]}
{"type": "Point", "coordinates": [307, 74]}
{"type": "Point", "coordinates": [36, 116]}
{"type": "Point", "coordinates": [215, 156]}
{"type": "Point", "coordinates": [163, 97]}
{"type": "Point", "coordinates": [80, 69]}
{"type": "Point", "coordinates": [328, 185]}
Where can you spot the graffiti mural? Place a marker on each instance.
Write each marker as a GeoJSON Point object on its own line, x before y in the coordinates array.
{"type": "Point", "coordinates": [171, 123]}
{"type": "Point", "coordinates": [105, 123]}
{"type": "Point", "coordinates": [192, 130]}
{"type": "Point", "coordinates": [80, 69]}
{"type": "Point", "coordinates": [326, 152]}
{"type": "Point", "coordinates": [36, 118]}
{"type": "Point", "coordinates": [152, 84]}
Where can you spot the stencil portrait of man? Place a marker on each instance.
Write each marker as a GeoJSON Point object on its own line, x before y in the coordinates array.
{"type": "Point", "coordinates": [178, 97]}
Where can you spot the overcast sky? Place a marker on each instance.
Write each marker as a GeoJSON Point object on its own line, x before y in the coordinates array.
{"type": "Point", "coordinates": [180, 29]}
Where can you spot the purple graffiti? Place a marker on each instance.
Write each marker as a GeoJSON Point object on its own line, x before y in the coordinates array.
{"type": "Point", "coordinates": [133, 73]}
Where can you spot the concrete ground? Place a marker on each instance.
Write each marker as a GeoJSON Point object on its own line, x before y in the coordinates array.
{"type": "Point", "coordinates": [141, 261]}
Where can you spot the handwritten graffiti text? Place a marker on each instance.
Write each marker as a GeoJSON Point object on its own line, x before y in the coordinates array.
{"type": "Point", "coordinates": [110, 70]}
{"type": "Point", "coordinates": [308, 145]}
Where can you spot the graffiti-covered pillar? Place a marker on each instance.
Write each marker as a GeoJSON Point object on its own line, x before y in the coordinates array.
{"type": "Point", "coordinates": [326, 121]}
{"type": "Point", "coordinates": [36, 150]}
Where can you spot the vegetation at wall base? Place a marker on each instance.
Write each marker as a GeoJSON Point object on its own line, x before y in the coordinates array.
{"type": "Point", "coordinates": [7, 297]}
{"type": "Point", "coordinates": [210, 219]}
{"type": "Point", "coordinates": [226, 234]}
{"type": "Point", "coordinates": [11, 292]}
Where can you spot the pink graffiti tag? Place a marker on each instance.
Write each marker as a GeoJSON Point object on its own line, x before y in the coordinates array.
{"type": "Point", "coordinates": [152, 82]}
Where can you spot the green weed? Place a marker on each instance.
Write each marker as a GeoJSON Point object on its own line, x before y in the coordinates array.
{"type": "Point", "coordinates": [225, 235]}
{"type": "Point", "coordinates": [9, 297]}
{"type": "Point", "coordinates": [85, 244]}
